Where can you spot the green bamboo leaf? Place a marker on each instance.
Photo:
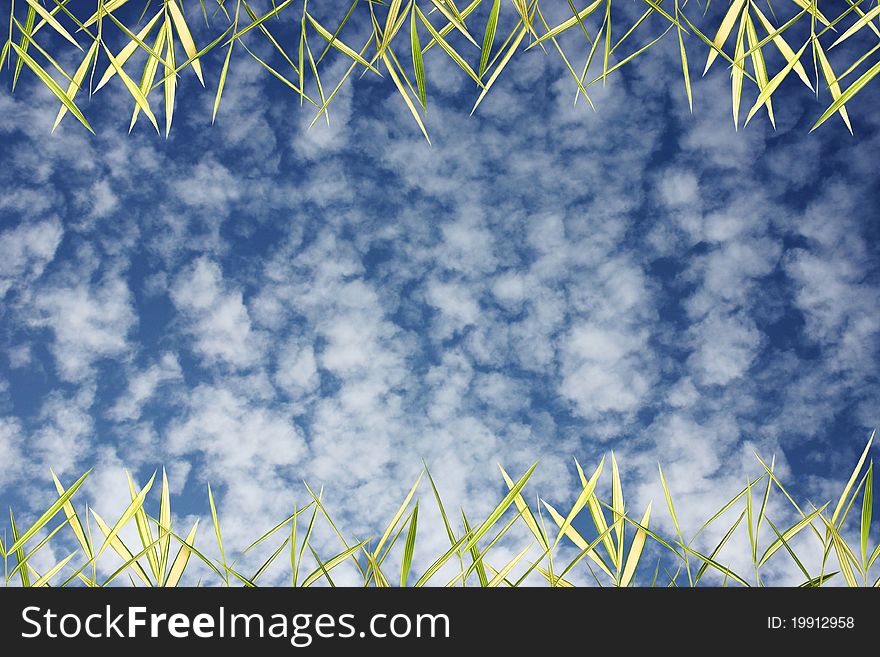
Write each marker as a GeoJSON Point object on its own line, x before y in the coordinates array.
{"type": "Point", "coordinates": [508, 54]}
{"type": "Point", "coordinates": [626, 60]}
{"type": "Point", "coordinates": [49, 513]}
{"type": "Point", "coordinates": [127, 515]}
{"type": "Point", "coordinates": [851, 91]}
{"type": "Point", "coordinates": [121, 549]}
{"type": "Point", "coordinates": [19, 552]}
{"type": "Point", "coordinates": [339, 45]}
{"type": "Point", "coordinates": [782, 45]}
{"type": "Point", "coordinates": [789, 533]}
{"type": "Point", "coordinates": [397, 516]}
{"type": "Point", "coordinates": [406, 99]}
{"type": "Point", "coordinates": [216, 522]}
{"type": "Point", "coordinates": [170, 80]}
{"type": "Point", "coordinates": [635, 550]}
{"type": "Point", "coordinates": [476, 559]}
{"type": "Point", "coordinates": [49, 574]}
{"type": "Point", "coordinates": [456, 22]}
{"type": "Point", "coordinates": [845, 557]}
{"type": "Point", "coordinates": [410, 546]}
{"type": "Point", "coordinates": [52, 22]}
{"type": "Point", "coordinates": [489, 36]}
{"type": "Point", "coordinates": [684, 65]}
{"type": "Point", "coordinates": [724, 30]}
{"type": "Point", "coordinates": [758, 64]}
{"type": "Point", "coordinates": [738, 71]}
{"type": "Point", "coordinates": [348, 14]}
{"type": "Point", "coordinates": [499, 510]}
{"type": "Point", "coordinates": [580, 541]}
{"type": "Point", "coordinates": [25, 558]}
{"type": "Point", "coordinates": [182, 558]}
{"type": "Point", "coordinates": [24, 43]}
{"type": "Point", "coordinates": [77, 81]}
{"type": "Point", "coordinates": [164, 524]}
{"type": "Point", "coordinates": [582, 499]}
{"type": "Point", "coordinates": [525, 510]}
{"type": "Point", "coordinates": [833, 86]}
{"type": "Point", "coordinates": [315, 74]}
{"type": "Point", "coordinates": [668, 495]}
{"type": "Point", "coordinates": [143, 528]}
{"type": "Point", "coordinates": [418, 63]}
{"type": "Point", "coordinates": [716, 550]}
{"type": "Point", "coordinates": [133, 89]}
{"type": "Point", "coordinates": [130, 562]}
{"type": "Point", "coordinates": [376, 571]}
{"type": "Point", "coordinates": [332, 563]}
{"type": "Point", "coordinates": [129, 50]}
{"type": "Point", "coordinates": [510, 565]}
{"type": "Point", "coordinates": [852, 480]}
{"type": "Point", "coordinates": [569, 23]}
{"type": "Point", "coordinates": [858, 25]}
{"type": "Point", "coordinates": [186, 39]}
{"type": "Point", "coordinates": [147, 78]}
{"type": "Point", "coordinates": [817, 581]}
{"type": "Point", "coordinates": [52, 85]}
{"type": "Point", "coordinates": [458, 59]}
{"type": "Point", "coordinates": [617, 508]}
{"type": "Point", "coordinates": [810, 6]}
{"type": "Point", "coordinates": [270, 560]}
{"type": "Point", "coordinates": [441, 561]}
{"type": "Point", "coordinates": [867, 511]}
{"type": "Point", "coordinates": [773, 84]}
{"type": "Point", "coordinates": [104, 10]}
{"type": "Point", "coordinates": [73, 520]}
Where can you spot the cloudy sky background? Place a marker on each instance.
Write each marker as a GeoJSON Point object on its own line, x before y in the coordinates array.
{"type": "Point", "coordinates": [254, 304]}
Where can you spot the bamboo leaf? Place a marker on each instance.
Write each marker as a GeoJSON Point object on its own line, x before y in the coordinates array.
{"type": "Point", "coordinates": [724, 30]}
{"type": "Point", "coordinates": [410, 546]}
{"type": "Point", "coordinates": [332, 563]}
{"type": "Point", "coordinates": [339, 45]}
{"type": "Point", "coordinates": [49, 513]}
{"type": "Point", "coordinates": [406, 99]}
{"type": "Point", "coordinates": [458, 59]}
{"type": "Point", "coordinates": [580, 541]}
{"type": "Point", "coordinates": [489, 36]}
{"type": "Point", "coordinates": [504, 61]}
{"type": "Point", "coordinates": [49, 574]}
{"type": "Point", "coordinates": [182, 558]}
{"type": "Point", "coordinates": [499, 510]}
{"type": "Point", "coordinates": [121, 549]}
{"type": "Point", "coordinates": [635, 550]}
{"type": "Point", "coordinates": [773, 84]}
{"type": "Point", "coordinates": [758, 64]}
{"type": "Point", "coordinates": [782, 45]}
{"type": "Point", "coordinates": [186, 40]}
{"type": "Point", "coordinates": [510, 565]}
{"type": "Point", "coordinates": [833, 86]}
{"type": "Point", "coordinates": [788, 534]}
{"type": "Point", "coordinates": [128, 50]}
{"type": "Point", "coordinates": [569, 23]}
{"type": "Point", "coordinates": [418, 63]}
{"type": "Point", "coordinates": [73, 520]}
{"type": "Point", "coordinates": [52, 85]}
{"type": "Point", "coordinates": [52, 22]}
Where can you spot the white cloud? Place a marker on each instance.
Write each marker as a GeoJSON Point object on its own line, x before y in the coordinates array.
{"type": "Point", "coordinates": [218, 319]}
{"type": "Point", "coordinates": [142, 386]}
{"type": "Point", "coordinates": [89, 322]}
{"type": "Point", "coordinates": [26, 250]}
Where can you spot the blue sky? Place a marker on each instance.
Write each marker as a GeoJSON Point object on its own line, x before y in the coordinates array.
{"type": "Point", "coordinates": [255, 304]}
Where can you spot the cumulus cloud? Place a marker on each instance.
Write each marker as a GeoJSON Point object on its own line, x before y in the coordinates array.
{"type": "Point", "coordinates": [26, 250]}
{"type": "Point", "coordinates": [216, 316]}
